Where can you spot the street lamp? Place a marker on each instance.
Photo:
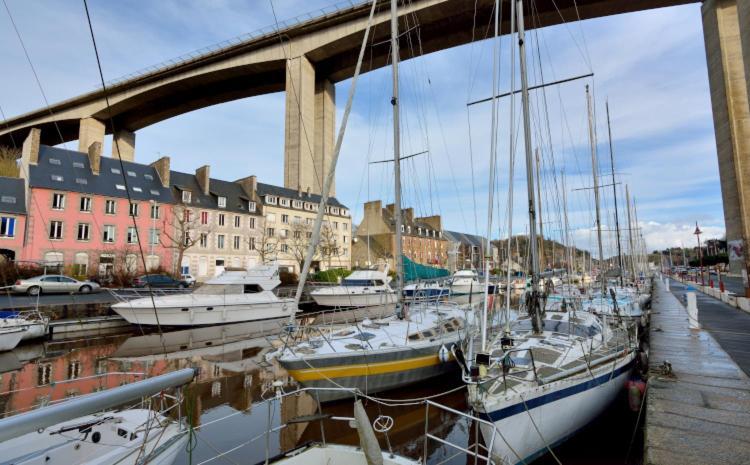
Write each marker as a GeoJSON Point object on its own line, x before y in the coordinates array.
{"type": "Point", "coordinates": [698, 233]}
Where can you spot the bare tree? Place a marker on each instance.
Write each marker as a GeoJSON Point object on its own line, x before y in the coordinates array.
{"type": "Point", "coordinates": [8, 161]}
{"type": "Point", "coordinates": [329, 247]}
{"type": "Point", "coordinates": [267, 244]}
{"type": "Point", "coordinates": [299, 241]}
{"type": "Point", "coordinates": [181, 231]}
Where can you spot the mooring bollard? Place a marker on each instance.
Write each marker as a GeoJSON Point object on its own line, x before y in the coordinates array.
{"type": "Point", "coordinates": [692, 310]}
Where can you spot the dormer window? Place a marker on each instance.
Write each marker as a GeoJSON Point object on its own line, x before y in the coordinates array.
{"type": "Point", "coordinates": [284, 202]}
{"type": "Point", "coordinates": [251, 206]}
{"type": "Point", "coordinates": [186, 196]}
{"type": "Point", "coordinates": [297, 203]}
{"type": "Point", "coordinates": [419, 231]}
{"type": "Point", "coordinates": [222, 202]}
{"type": "Point", "coordinates": [335, 210]}
{"type": "Point", "coordinates": [271, 200]}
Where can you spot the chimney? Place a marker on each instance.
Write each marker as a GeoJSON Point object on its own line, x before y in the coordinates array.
{"type": "Point", "coordinates": [30, 150]}
{"type": "Point", "coordinates": [299, 190]}
{"type": "Point", "coordinates": [95, 157]}
{"type": "Point", "coordinates": [408, 215]}
{"type": "Point", "coordinates": [162, 169]}
{"type": "Point", "coordinates": [308, 191]}
{"type": "Point", "coordinates": [390, 208]}
{"type": "Point", "coordinates": [249, 185]}
{"type": "Point", "coordinates": [203, 178]}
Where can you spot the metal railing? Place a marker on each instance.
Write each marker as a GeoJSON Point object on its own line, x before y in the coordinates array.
{"type": "Point", "coordinates": [128, 294]}
{"type": "Point", "coordinates": [267, 31]}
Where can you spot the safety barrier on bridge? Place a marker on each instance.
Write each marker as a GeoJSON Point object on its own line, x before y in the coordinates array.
{"type": "Point", "coordinates": [208, 50]}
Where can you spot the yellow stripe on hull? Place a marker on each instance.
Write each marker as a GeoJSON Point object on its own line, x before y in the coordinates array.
{"type": "Point", "coordinates": [364, 369]}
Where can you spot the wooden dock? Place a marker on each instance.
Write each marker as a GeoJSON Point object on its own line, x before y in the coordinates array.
{"type": "Point", "coordinates": [698, 413]}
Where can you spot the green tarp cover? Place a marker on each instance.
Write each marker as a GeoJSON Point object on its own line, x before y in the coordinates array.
{"type": "Point", "coordinates": [414, 271]}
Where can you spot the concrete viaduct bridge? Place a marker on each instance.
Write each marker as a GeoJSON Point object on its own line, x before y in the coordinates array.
{"type": "Point", "coordinates": [307, 58]}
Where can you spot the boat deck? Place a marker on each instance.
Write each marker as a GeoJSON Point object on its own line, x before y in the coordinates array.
{"type": "Point", "coordinates": [700, 412]}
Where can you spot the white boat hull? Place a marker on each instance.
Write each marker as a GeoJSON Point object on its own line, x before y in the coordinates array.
{"type": "Point", "coordinates": [9, 338]}
{"type": "Point", "coordinates": [354, 300]}
{"type": "Point", "coordinates": [558, 410]}
{"type": "Point", "coordinates": [141, 313]}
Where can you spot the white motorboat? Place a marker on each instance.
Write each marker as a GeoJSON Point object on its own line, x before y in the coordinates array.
{"type": "Point", "coordinates": [376, 355]}
{"type": "Point", "coordinates": [34, 323]}
{"type": "Point", "coordinates": [539, 388]}
{"type": "Point", "coordinates": [10, 337]}
{"type": "Point", "coordinates": [362, 288]}
{"type": "Point", "coordinates": [466, 282]}
{"type": "Point", "coordinates": [232, 297]}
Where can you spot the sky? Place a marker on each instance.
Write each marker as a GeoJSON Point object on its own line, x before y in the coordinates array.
{"type": "Point", "coordinates": [649, 66]}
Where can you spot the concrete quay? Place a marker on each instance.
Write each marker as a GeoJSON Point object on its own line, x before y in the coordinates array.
{"type": "Point", "coordinates": [699, 411]}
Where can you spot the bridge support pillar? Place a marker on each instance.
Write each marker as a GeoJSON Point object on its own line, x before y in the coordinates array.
{"type": "Point", "coordinates": [325, 126]}
{"type": "Point", "coordinates": [731, 113]}
{"type": "Point", "coordinates": [90, 130]}
{"type": "Point", "coordinates": [309, 126]}
{"type": "Point", "coordinates": [125, 142]}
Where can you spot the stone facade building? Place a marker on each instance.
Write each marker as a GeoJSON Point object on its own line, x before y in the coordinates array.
{"type": "Point", "coordinates": [423, 240]}
{"type": "Point", "coordinates": [289, 217]}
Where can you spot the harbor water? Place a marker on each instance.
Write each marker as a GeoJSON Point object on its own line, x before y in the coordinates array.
{"type": "Point", "coordinates": [232, 407]}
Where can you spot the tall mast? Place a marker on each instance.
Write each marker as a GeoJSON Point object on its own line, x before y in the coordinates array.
{"type": "Point", "coordinates": [534, 308]}
{"type": "Point", "coordinates": [569, 258]}
{"type": "Point", "coordinates": [614, 192]}
{"type": "Point", "coordinates": [630, 232]}
{"type": "Point", "coordinates": [491, 189]}
{"type": "Point", "coordinates": [396, 151]}
{"type": "Point", "coordinates": [542, 263]}
{"type": "Point", "coordinates": [595, 171]}
{"type": "Point", "coordinates": [511, 171]}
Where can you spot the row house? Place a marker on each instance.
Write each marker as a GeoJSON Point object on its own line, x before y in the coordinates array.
{"type": "Point", "coordinates": [12, 217]}
{"type": "Point", "coordinates": [91, 213]}
{"type": "Point", "coordinates": [466, 251]}
{"type": "Point", "coordinates": [220, 221]}
{"type": "Point", "coordinates": [289, 218]}
{"type": "Point", "coordinates": [422, 238]}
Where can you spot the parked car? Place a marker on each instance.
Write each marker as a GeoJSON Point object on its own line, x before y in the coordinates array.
{"type": "Point", "coordinates": [188, 278]}
{"type": "Point", "coordinates": [52, 283]}
{"type": "Point", "coordinates": [160, 281]}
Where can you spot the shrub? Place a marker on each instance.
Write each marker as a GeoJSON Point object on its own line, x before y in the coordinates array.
{"type": "Point", "coordinates": [332, 275]}
{"type": "Point", "coordinates": [11, 271]}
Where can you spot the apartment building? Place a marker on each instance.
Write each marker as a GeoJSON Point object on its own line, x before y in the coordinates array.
{"type": "Point", "coordinates": [219, 222]}
{"type": "Point", "coordinates": [12, 217]}
{"type": "Point", "coordinates": [289, 217]}
{"type": "Point", "coordinates": [89, 212]}
{"type": "Point", "coordinates": [422, 237]}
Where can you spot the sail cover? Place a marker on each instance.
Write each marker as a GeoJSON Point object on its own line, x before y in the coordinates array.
{"type": "Point", "coordinates": [414, 271]}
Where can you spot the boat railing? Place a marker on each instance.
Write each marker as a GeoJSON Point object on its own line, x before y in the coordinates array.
{"type": "Point", "coordinates": [128, 294]}
{"type": "Point", "coordinates": [475, 449]}
{"type": "Point", "coordinates": [273, 396]}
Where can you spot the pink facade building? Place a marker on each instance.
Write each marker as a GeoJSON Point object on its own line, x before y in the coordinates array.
{"type": "Point", "coordinates": [88, 213]}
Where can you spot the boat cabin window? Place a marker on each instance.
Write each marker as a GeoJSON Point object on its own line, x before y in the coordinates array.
{"type": "Point", "coordinates": [558, 327]}
{"type": "Point", "coordinates": [219, 289]}
{"type": "Point", "coordinates": [252, 288]}
{"type": "Point", "coordinates": [363, 282]}
{"type": "Point", "coordinates": [364, 336]}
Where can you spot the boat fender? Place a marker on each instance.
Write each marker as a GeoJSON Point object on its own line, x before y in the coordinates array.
{"type": "Point", "coordinates": [444, 354]}
{"type": "Point", "coordinates": [284, 308]}
{"type": "Point", "coordinates": [635, 394]}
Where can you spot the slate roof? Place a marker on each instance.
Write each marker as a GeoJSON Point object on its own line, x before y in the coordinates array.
{"type": "Point", "coordinates": [237, 199]}
{"type": "Point", "coordinates": [12, 196]}
{"type": "Point", "coordinates": [463, 238]}
{"type": "Point", "coordinates": [73, 167]}
{"type": "Point", "coordinates": [268, 189]}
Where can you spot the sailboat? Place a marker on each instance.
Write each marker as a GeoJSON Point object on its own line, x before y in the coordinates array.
{"type": "Point", "coordinates": [79, 431]}
{"type": "Point", "coordinates": [411, 345]}
{"type": "Point", "coordinates": [548, 373]}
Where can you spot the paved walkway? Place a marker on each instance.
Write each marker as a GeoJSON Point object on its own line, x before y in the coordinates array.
{"type": "Point", "coordinates": [700, 413]}
{"type": "Point", "coordinates": [730, 326]}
